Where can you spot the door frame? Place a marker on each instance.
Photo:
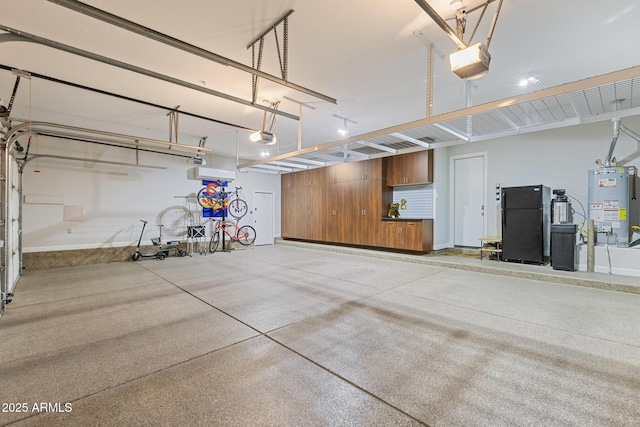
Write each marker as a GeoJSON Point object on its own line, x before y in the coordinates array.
{"type": "Point", "coordinates": [452, 193]}
{"type": "Point", "coordinates": [273, 209]}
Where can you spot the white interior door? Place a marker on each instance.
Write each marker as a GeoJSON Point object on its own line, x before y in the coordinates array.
{"type": "Point", "coordinates": [264, 217]}
{"type": "Point", "coordinates": [469, 200]}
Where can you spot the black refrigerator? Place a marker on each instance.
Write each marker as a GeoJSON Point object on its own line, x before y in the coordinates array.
{"type": "Point", "coordinates": [526, 215]}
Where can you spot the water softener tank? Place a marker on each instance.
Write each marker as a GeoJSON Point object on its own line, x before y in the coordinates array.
{"type": "Point", "coordinates": [560, 208]}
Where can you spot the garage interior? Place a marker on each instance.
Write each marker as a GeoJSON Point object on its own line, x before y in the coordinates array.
{"type": "Point", "coordinates": [115, 113]}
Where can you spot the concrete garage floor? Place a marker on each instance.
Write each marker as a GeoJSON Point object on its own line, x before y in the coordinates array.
{"type": "Point", "coordinates": [292, 336]}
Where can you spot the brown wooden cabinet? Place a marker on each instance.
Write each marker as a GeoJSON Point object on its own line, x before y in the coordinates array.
{"type": "Point", "coordinates": [310, 224]}
{"type": "Point", "coordinates": [408, 169]}
{"type": "Point", "coordinates": [365, 170]}
{"type": "Point", "coordinates": [301, 212]}
{"type": "Point", "coordinates": [344, 204]}
{"type": "Point", "coordinates": [336, 210]}
{"type": "Point", "coordinates": [337, 173]}
{"type": "Point", "coordinates": [412, 235]}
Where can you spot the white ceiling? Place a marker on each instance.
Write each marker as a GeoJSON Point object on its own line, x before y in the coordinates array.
{"type": "Point", "coordinates": [369, 55]}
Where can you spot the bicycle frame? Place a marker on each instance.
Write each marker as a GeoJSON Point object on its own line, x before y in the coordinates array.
{"type": "Point", "coordinates": [223, 225]}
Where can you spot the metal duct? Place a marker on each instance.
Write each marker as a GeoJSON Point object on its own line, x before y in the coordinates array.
{"type": "Point", "coordinates": [616, 134]}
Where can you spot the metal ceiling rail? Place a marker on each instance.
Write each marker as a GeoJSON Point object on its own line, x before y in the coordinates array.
{"type": "Point", "coordinates": [17, 35]}
{"type": "Point", "coordinates": [80, 159]}
{"type": "Point", "coordinates": [35, 127]}
{"type": "Point", "coordinates": [179, 44]}
{"type": "Point", "coordinates": [115, 95]}
{"type": "Point", "coordinates": [599, 98]}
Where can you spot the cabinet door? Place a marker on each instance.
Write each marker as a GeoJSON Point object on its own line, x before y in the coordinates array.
{"type": "Point", "coordinates": [395, 170]}
{"type": "Point", "coordinates": [410, 235]}
{"type": "Point", "coordinates": [288, 206]}
{"type": "Point", "coordinates": [389, 234]}
{"type": "Point", "coordinates": [369, 201]}
{"type": "Point", "coordinates": [370, 170]}
{"type": "Point", "coordinates": [312, 190]}
{"type": "Point", "coordinates": [287, 180]}
{"type": "Point", "coordinates": [337, 213]}
{"type": "Point", "coordinates": [337, 173]}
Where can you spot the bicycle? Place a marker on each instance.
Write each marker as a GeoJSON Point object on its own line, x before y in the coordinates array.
{"type": "Point", "coordinates": [244, 235]}
{"type": "Point", "coordinates": [213, 197]}
{"type": "Point", "coordinates": [237, 206]}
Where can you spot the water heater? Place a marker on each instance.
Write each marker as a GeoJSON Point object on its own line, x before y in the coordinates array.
{"type": "Point", "coordinates": [613, 204]}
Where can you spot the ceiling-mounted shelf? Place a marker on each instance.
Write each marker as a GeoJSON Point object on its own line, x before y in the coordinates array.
{"type": "Point", "coordinates": [605, 97]}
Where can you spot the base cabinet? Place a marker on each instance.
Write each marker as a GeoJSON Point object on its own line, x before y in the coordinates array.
{"type": "Point", "coordinates": [413, 235]}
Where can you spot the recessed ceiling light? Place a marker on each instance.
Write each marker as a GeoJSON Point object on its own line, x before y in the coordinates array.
{"type": "Point", "coordinates": [531, 80]}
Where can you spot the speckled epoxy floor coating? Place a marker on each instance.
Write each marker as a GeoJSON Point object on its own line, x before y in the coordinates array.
{"type": "Point", "coordinates": [279, 335]}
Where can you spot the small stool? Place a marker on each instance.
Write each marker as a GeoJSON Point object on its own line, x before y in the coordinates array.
{"type": "Point", "coordinates": [491, 245]}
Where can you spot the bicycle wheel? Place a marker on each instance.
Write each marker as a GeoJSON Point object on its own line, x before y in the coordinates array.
{"type": "Point", "coordinates": [246, 235]}
{"type": "Point", "coordinates": [238, 208]}
{"type": "Point", "coordinates": [214, 242]}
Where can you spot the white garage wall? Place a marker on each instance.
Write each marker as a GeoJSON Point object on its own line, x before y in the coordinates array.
{"type": "Point", "coordinates": [114, 198]}
{"type": "Point", "coordinates": [441, 193]}
{"type": "Point", "coordinates": [558, 158]}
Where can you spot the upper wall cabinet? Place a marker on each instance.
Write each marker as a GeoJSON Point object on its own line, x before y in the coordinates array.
{"type": "Point", "coordinates": [408, 169]}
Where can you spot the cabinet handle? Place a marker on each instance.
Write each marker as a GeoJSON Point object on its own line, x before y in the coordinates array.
{"type": "Point", "coordinates": [364, 212]}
